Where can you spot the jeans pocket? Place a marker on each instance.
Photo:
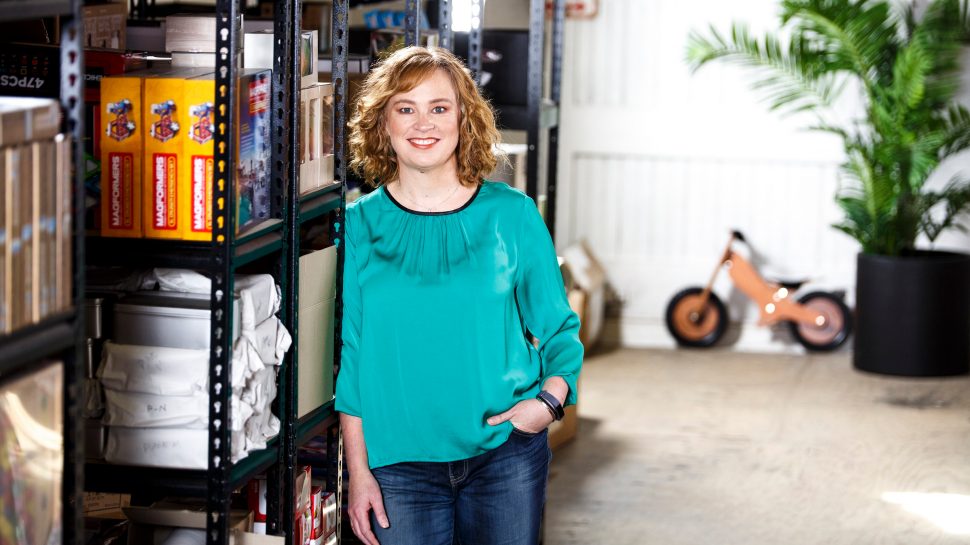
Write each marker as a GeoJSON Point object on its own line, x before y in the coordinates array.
{"type": "Point", "coordinates": [521, 433]}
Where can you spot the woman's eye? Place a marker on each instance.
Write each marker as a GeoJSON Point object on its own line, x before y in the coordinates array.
{"type": "Point", "coordinates": [406, 110]}
{"type": "Point", "coordinates": [439, 109]}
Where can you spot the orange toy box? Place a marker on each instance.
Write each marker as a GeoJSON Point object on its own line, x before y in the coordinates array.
{"type": "Point", "coordinates": [166, 182]}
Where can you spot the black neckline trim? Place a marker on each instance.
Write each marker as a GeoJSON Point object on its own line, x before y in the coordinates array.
{"type": "Point", "coordinates": [445, 213]}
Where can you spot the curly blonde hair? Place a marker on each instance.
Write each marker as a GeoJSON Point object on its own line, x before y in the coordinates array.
{"type": "Point", "coordinates": [370, 146]}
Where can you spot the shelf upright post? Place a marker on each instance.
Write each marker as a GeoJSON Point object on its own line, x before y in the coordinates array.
{"type": "Point", "coordinates": [339, 37]}
{"type": "Point", "coordinates": [475, 40]}
{"type": "Point", "coordinates": [537, 19]}
{"type": "Point", "coordinates": [558, 25]}
{"type": "Point", "coordinates": [221, 296]}
{"type": "Point", "coordinates": [412, 22]}
{"type": "Point", "coordinates": [286, 108]}
{"type": "Point", "coordinates": [446, 37]}
{"type": "Point", "coordinates": [72, 60]}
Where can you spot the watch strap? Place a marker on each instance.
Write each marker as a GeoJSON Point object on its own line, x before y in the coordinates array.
{"type": "Point", "coordinates": [552, 403]}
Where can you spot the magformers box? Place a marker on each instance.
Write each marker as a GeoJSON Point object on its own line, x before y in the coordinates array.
{"type": "Point", "coordinates": [166, 183]}
{"type": "Point", "coordinates": [252, 181]}
{"type": "Point", "coordinates": [121, 156]}
{"type": "Point", "coordinates": [122, 152]}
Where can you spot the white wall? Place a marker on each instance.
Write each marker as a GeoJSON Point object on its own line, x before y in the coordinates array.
{"type": "Point", "coordinates": [656, 165]}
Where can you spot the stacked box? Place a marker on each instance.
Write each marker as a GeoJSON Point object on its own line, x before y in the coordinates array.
{"type": "Point", "coordinates": [64, 252]}
{"type": "Point", "coordinates": [316, 136]}
{"type": "Point", "coordinates": [166, 181]}
{"type": "Point", "coordinates": [197, 156]}
{"type": "Point", "coordinates": [4, 274]}
{"type": "Point", "coordinates": [121, 156]}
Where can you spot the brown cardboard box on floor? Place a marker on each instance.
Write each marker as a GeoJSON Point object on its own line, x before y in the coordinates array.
{"type": "Point", "coordinates": [565, 430]}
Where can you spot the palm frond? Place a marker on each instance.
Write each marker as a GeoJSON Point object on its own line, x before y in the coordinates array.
{"type": "Point", "coordinates": [956, 126]}
{"type": "Point", "coordinates": [790, 81]}
{"type": "Point", "coordinates": [955, 198]}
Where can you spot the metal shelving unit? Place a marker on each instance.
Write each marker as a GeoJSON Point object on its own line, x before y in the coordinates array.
{"type": "Point", "coordinates": [324, 206]}
{"type": "Point", "coordinates": [60, 336]}
{"type": "Point", "coordinates": [219, 260]}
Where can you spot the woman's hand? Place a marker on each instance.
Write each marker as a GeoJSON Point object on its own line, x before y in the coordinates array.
{"type": "Point", "coordinates": [365, 494]}
{"type": "Point", "coordinates": [528, 415]}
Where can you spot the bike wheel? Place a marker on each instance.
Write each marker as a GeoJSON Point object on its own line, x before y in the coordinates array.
{"type": "Point", "coordinates": [835, 329]}
{"type": "Point", "coordinates": [693, 324]}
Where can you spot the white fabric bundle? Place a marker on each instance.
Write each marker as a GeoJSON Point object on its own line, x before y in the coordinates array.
{"type": "Point", "coordinates": [154, 370]}
{"type": "Point", "coordinates": [270, 339]}
{"type": "Point", "coordinates": [158, 447]}
{"type": "Point", "coordinates": [259, 296]}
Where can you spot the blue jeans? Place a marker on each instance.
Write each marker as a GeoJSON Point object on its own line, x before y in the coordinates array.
{"type": "Point", "coordinates": [495, 498]}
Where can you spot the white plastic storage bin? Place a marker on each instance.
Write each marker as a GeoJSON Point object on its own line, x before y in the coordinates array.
{"type": "Point", "coordinates": [166, 321]}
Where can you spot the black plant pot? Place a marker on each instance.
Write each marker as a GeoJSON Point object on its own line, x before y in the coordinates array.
{"type": "Point", "coordinates": [913, 314]}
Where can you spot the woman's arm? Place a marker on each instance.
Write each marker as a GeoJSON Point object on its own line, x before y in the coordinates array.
{"type": "Point", "coordinates": [365, 493]}
{"type": "Point", "coordinates": [541, 297]}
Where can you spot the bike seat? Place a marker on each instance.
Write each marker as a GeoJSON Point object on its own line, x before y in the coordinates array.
{"type": "Point", "coordinates": [790, 283]}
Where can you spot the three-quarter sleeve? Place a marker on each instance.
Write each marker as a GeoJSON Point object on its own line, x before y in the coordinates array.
{"type": "Point", "coordinates": [541, 297]}
{"type": "Point", "coordinates": [348, 383]}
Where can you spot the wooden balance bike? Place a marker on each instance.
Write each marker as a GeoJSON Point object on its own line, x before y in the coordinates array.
{"type": "Point", "coordinates": [819, 320]}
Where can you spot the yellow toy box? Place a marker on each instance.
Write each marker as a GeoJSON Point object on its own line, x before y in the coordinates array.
{"type": "Point", "coordinates": [121, 156]}
{"type": "Point", "coordinates": [166, 181]}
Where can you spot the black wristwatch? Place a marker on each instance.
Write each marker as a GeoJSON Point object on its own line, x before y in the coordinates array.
{"type": "Point", "coordinates": [551, 403]}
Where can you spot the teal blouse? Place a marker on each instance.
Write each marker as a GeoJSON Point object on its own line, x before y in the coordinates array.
{"type": "Point", "coordinates": [435, 312]}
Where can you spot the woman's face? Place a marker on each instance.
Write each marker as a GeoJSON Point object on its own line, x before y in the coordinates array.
{"type": "Point", "coordinates": [423, 124]}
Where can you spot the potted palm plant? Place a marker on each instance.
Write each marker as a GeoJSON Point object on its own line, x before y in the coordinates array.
{"type": "Point", "coordinates": [912, 305]}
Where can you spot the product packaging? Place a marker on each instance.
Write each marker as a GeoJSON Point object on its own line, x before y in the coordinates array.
{"type": "Point", "coordinates": [165, 181]}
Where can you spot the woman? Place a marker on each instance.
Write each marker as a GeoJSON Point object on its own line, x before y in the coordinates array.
{"type": "Point", "coordinates": [444, 400]}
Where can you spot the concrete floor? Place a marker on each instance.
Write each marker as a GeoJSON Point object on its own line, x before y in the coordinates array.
{"type": "Point", "coordinates": [714, 447]}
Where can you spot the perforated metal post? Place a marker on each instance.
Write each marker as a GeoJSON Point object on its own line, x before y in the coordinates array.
{"type": "Point", "coordinates": [555, 93]}
{"type": "Point", "coordinates": [446, 38]}
{"type": "Point", "coordinates": [475, 40]}
{"type": "Point", "coordinates": [537, 18]}
{"type": "Point", "coordinates": [286, 125]}
{"type": "Point", "coordinates": [412, 22]}
{"type": "Point", "coordinates": [339, 48]}
{"type": "Point", "coordinates": [223, 230]}
{"type": "Point", "coordinates": [72, 486]}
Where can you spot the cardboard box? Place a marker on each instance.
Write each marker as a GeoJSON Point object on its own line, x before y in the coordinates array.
{"type": "Point", "coordinates": [97, 501]}
{"type": "Point", "coordinates": [192, 33]}
{"type": "Point", "coordinates": [317, 300]}
{"type": "Point", "coordinates": [582, 268]}
{"type": "Point", "coordinates": [44, 229]}
{"type": "Point", "coordinates": [27, 119]}
{"type": "Point", "coordinates": [104, 25]}
{"type": "Point", "coordinates": [152, 525]}
{"type": "Point", "coordinates": [166, 183]}
{"type": "Point", "coordinates": [64, 252]}
{"type": "Point", "coordinates": [5, 288]}
{"type": "Point", "coordinates": [258, 53]}
{"type": "Point", "coordinates": [19, 248]}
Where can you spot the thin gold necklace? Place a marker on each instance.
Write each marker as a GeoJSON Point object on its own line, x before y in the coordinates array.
{"type": "Point", "coordinates": [433, 208]}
